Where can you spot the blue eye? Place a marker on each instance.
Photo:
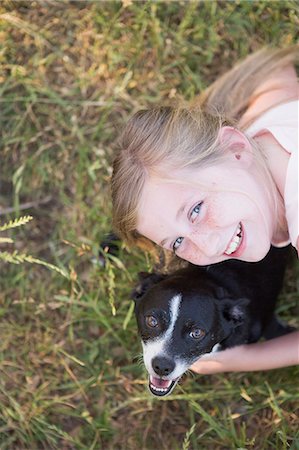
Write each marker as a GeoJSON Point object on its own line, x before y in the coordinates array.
{"type": "Point", "coordinates": [192, 217]}
{"type": "Point", "coordinates": [177, 243]}
{"type": "Point", "coordinates": [195, 211]}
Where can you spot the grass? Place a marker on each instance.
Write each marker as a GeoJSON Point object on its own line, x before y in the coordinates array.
{"type": "Point", "coordinates": [71, 73]}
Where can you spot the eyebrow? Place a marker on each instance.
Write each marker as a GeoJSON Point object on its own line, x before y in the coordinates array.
{"type": "Point", "coordinates": [178, 214]}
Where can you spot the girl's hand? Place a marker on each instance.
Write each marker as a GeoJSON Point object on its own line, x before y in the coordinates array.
{"type": "Point", "coordinates": [273, 354]}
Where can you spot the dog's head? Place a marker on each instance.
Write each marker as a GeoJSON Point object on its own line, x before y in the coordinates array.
{"type": "Point", "coordinates": [180, 319]}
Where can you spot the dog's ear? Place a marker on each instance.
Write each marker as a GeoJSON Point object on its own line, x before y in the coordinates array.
{"type": "Point", "coordinates": [234, 311]}
{"type": "Point", "coordinates": [146, 281]}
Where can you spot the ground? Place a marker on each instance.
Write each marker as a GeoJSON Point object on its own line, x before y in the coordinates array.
{"type": "Point", "coordinates": [71, 73]}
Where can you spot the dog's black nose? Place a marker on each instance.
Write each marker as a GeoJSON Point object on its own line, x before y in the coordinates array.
{"type": "Point", "coordinates": [162, 366]}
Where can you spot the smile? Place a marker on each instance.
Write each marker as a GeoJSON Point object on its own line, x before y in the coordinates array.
{"type": "Point", "coordinates": [161, 387]}
{"type": "Point", "coordinates": [236, 241]}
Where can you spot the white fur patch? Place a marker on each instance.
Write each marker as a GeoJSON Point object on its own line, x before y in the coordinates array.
{"type": "Point", "coordinates": [212, 353]}
{"type": "Point", "coordinates": [155, 347]}
{"type": "Point", "coordinates": [215, 348]}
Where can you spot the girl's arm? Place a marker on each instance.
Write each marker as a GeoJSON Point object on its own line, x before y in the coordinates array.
{"type": "Point", "coordinates": [273, 354]}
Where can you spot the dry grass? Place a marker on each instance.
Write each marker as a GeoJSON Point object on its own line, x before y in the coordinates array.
{"type": "Point", "coordinates": [71, 73]}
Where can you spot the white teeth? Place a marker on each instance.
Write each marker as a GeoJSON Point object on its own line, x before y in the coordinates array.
{"type": "Point", "coordinates": [158, 389]}
{"type": "Point", "coordinates": [232, 247]}
{"type": "Point", "coordinates": [235, 242]}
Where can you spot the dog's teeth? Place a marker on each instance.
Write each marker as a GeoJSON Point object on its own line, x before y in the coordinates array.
{"type": "Point", "coordinates": [158, 389]}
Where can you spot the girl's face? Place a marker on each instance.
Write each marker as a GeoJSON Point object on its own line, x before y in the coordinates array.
{"type": "Point", "coordinates": [210, 214]}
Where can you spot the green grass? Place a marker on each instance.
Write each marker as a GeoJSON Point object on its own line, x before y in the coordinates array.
{"type": "Point", "coordinates": [71, 73]}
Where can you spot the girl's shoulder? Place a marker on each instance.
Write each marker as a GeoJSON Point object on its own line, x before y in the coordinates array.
{"type": "Point", "coordinates": [275, 109]}
{"type": "Point", "coordinates": [282, 87]}
{"type": "Point", "coordinates": [282, 122]}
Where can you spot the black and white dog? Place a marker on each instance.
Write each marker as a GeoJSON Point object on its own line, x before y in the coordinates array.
{"type": "Point", "coordinates": [197, 310]}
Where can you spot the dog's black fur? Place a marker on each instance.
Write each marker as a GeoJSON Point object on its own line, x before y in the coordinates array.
{"type": "Point", "coordinates": [229, 304]}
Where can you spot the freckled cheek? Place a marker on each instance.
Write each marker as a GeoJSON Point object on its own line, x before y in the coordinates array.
{"type": "Point", "coordinates": [192, 254]}
{"type": "Point", "coordinates": [217, 212]}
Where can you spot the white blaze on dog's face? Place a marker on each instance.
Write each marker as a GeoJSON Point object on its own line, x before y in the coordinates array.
{"type": "Point", "coordinates": [156, 348]}
{"type": "Point", "coordinates": [156, 359]}
{"type": "Point", "coordinates": [158, 345]}
{"type": "Point", "coordinates": [177, 325]}
{"type": "Point", "coordinates": [165, 353]}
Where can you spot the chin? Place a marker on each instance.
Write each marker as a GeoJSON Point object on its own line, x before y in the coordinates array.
{"type": "Point", "coordinates": [259, 253]}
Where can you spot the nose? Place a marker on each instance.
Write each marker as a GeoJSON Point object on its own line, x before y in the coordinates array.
{"type": "Point", "coordinates": [207, 243]}
{"type": "Point", "coordinates": [162, 366]}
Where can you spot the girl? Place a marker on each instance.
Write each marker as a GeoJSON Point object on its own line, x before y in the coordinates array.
{"type": "Point", "coordinates": [218, 180]}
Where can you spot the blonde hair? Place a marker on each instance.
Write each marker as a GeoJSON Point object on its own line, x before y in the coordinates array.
{"type": "Point", "coordinates": [186, 135]}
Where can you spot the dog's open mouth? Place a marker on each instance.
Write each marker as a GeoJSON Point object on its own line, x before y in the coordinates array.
{"type": "Point", "coordinates": [161, 387]}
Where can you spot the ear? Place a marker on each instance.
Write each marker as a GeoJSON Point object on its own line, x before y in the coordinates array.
{"type": "Point", "coordinates": [146, 281]}
{"type": "Point", "coordinates": [234, 311]}
{"type": "Point", "coordinates": [237, 145]}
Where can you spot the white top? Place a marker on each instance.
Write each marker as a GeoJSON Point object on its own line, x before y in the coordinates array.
{"type": "Point", "coordinates": [282, 122]}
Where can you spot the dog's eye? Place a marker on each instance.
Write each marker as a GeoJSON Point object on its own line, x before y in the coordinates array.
{"type": "Point", "coordinates": [151, 321]}
{"type": "Point", "coordinates": [197, 333]}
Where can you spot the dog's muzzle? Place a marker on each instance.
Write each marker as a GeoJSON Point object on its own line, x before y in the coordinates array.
{"type": "Point", "coordinates": [160, 385]}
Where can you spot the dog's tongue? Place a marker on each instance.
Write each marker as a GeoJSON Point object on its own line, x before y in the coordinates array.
{"type": "Point", "coordinates": [158, 382]}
